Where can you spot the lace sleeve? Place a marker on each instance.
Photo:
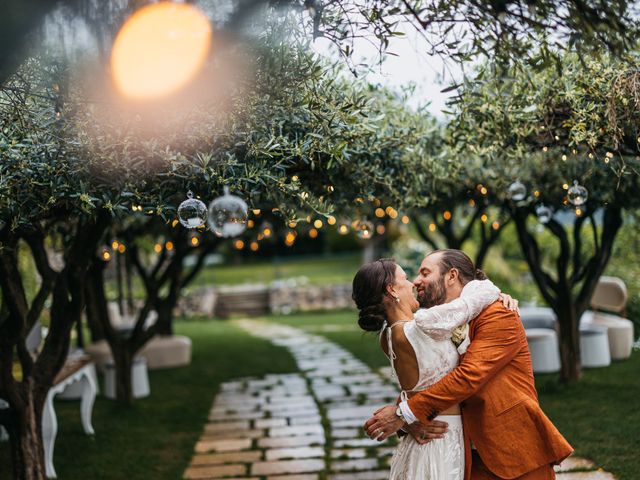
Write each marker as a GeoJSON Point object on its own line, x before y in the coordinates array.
{"type": "Point", "coordinates": [438, 322]}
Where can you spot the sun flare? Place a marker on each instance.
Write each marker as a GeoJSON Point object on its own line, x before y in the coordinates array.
{"type": "Point", "coordinates": [159, 49]}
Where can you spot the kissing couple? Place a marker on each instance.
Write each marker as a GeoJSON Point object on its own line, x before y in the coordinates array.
{"type": "Point", "coordinates": [468, 409]}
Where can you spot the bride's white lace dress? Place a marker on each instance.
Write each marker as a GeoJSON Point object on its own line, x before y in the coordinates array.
{"type": "Point", "coordinates": [429, 333]}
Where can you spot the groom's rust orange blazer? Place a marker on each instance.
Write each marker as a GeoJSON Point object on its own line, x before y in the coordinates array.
{"type": "Point", "coordinates": [500, 409]}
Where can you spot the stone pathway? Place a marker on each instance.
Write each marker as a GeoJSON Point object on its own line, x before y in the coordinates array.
{"type": "Point", "coordinates": [307, 426]}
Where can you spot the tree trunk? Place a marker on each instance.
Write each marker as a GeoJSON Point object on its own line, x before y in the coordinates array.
{"type": "Point", "coordinates": [569, 322]}
{"type": "Point", "coordinates": [96, 302]}
{"type": "Point", "coordinates": [25, 436]}
{"type": "Point", "coordinates": [482, 254]}
{"type": "Point", "coordinates": [164, 310]}
{"type": "Point", "coordinates": [123, 360]}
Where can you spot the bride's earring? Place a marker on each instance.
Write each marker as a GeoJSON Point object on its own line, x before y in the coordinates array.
{"type": "Point", "coordinates": [397, 298]}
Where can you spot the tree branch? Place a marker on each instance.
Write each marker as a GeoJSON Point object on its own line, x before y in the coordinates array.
{"type": "Point", "coordinates": [532, 255]}
{"type": "Point", "coordinates": [423, 233]}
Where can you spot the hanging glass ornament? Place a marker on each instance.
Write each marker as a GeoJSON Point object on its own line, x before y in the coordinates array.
{"type": "Point", "coordinates": [343, 226]}
{"type": "Point", "coordinates": [192, 213]}
{"type": "Point", "coordinates": [364, 229]}
{"type": "Point", "coordinates": [227, 215]}
{"type": "Point", "coordinates": [577, 194]}
{"type": "Point", "coordinates": [544, 213]}
{"type": "Point", "coordinates": [517, 191]}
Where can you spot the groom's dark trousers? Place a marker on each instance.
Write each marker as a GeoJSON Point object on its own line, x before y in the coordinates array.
{"type": "Point", "coordinates": [479, 471]}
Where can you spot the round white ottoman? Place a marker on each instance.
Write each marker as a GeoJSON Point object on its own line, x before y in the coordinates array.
{"type": "Point", "coordinates": [543, 346]}
{"type": "Point", "coordinates": [139, 379]}
{"type": "Point", "coordinates": [538, 317]}
{"type": "Point", "coordinates": [167, 352]}
{"type": "Point", "coordinates": [619, 331]}
{"type": "Point", "coordinates": [594, 346]}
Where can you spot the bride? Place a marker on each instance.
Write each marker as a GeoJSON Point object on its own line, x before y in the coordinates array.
{"type": "Point", "coordinates": [420, 346]}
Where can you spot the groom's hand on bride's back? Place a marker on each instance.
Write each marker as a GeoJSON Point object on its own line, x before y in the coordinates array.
{"type": "Point", "coordinates": [425, 433]}
{"type": "Point", "coordinates": [385, 423]}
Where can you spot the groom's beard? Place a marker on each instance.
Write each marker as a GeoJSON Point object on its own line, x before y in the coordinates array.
{"type": "Point", "coordinates": [435, 294]}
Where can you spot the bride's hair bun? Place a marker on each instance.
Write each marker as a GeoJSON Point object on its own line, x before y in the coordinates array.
{"type": "Point", "coordinates": [480, 275]}
{"type": "Point", "coordinates": [372, 317]}
{"type": "Point", "coordinates": [369, 287]}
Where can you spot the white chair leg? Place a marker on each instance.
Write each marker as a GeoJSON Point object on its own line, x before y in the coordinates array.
{"type": "Point", "coordinates": [89, 390]}
{"type": "Point", "coordinates": [49, 432]}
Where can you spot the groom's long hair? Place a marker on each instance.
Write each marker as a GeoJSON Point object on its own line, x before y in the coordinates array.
{"type": "Point", "coordinates": [459, 260]}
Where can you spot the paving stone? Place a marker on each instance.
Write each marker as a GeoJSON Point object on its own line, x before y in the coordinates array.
{"type": "Point", "coordinates": [596, 475]}
{"type": "Point", "coordinates": [233, 445]}
{"type": "Point", "coordinates": [287, 466]}
{"type": "Point", "coordinates": [295, 413]}
{"type": "Point", "coordinates": [363, 412]}
{"type": "Point", "coordinates": [381, 390]}
{"type": "Point", "coordinates": [329, 391]}
{"type": "Point", "coordinates": [297, 452]}
{"type": "Point", "coordinates": [236, 415]}
{"type": "Point", "coordinates": [311, 476]}
{"type": "Point", "coordinates": [227, 457]}
{"type": "Point", "coordinates": [385, 451]}
{"type": "Point", "coordinates": [574, 463]}
{"type": "Point", "coordinates": [354, 464]}
{"type": "Point", "coordinates": [371, 475]}
{"type": "Point", "coordinates": [355, 379]}
{"type": "Point", "coordinates": [215, 472]}
{"type": "Point", "coordinates": [232, 386]}
{"type": "Point", "coordinates": [289, 400]}
{"type": "Point", "coordinates": [349, 422]}
{"type": "Point", "coordinates": [309, 404]}
{"type": "Point", "coordinates": [348, 453]}
{"type": "Point", "coordinates": [283, 442]}
{"type": "Point", "coordinates": [236, 408]}
{"type": "Point", "coordinates": [357, 442]}
{"type": "Point", "coordinates": [311, 419]}
{"type": "Point", "coordinates": [297, 430]}
{"type": "Point", "coordinates": [347, 433]}
{"type": "Point", "coordinates": [227, 434]}
{"type": "Point", "coordinates": [227, 426]}
{"type": "Point", "coordinates": [270, 422]}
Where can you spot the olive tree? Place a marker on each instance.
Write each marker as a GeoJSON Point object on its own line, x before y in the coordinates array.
{"type": "Point", "coordinates": [547, 129]}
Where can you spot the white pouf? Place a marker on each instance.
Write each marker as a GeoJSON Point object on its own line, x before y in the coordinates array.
{"type": "Point", "coordinates": [160, 352]}
{"type": "Point", "coordinates": [594, 346]}
{"type": "Point", "coordinates": [139, 379]}
{"type": "Point", "coordinates": [619, 332]}
{"type": "Point", "coordinates": [167, 352]}
{"type": "Point", "coordinates": [538, 317]}
{"type": "Point", "coordinates": [543, 346]}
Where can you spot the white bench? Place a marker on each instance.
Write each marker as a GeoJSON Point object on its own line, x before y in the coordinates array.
{"type": "Point", "coordinates": [77, 370]}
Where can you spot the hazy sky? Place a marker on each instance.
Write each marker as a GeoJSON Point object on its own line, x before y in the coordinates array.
{"type": "Point", "coordinates": [410, 65]}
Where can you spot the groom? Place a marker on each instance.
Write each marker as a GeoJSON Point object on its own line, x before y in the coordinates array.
{"type": "Point", "coordinates": [507, 436]}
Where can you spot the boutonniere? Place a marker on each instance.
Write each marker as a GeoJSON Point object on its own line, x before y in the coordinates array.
{"type": "Point", "coordinates": [460, 338]}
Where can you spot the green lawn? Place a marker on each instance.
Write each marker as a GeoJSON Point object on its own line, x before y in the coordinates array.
{"type": "Point", "coordinates": [154, 439]}
{"type": "Point", "coordinates": [319, 270]}
{"type": "Point", "coordinates": [600, 416]}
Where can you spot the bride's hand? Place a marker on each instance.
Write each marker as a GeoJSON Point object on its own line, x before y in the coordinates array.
{"type": "Point", "coordinates": [423, 434]}
{"type": "Point", "coordinates": [509, 302]}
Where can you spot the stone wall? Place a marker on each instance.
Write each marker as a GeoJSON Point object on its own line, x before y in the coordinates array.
{"type": "Point", "coordinates": [283, 297]}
